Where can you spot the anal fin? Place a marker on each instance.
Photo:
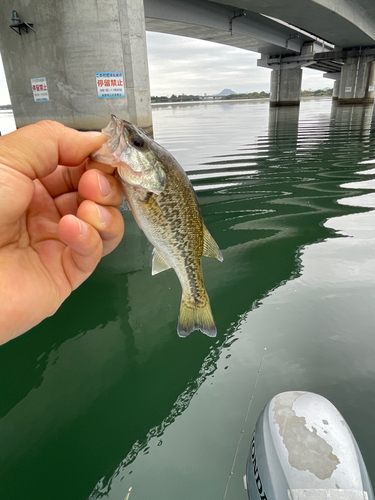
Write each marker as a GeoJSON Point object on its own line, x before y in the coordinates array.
{"type": "Point", "coordinates": [159, 264]}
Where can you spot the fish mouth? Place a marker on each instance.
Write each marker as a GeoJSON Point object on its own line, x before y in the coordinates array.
{"type": "Point", "coordinates": [117, 141]}
{"type": "Point", "coordinates": [119, 149]}
{"type": "Point", "coordinates": [113, 128]}
{"type": "Point", "coordinates": [117, 135]}
{"type": "Point", "coordinates": [121, 135]}
{"type": "Point", "coordinates": [118, 127]}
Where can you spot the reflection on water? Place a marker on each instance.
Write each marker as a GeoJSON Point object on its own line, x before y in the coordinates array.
{"type": "Point", "coordinates": [105, 396]}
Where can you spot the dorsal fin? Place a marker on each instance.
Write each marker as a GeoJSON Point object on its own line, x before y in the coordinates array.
{"type": "Point", "coordinates": [159, 264]}
{"type": "Point", "coordinates": [210, 248]}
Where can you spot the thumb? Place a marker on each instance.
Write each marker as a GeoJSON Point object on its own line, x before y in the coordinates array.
{"type": "Point", "coordinates": [34, 152]}
{"type": "Point", "coordinates": [16, 192]}
{"type": "Point", "coordinates": [37, 149]}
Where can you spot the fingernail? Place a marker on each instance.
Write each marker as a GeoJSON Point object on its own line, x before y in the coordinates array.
{"type": "Point", "coordinates": [83, 227]}
{"type": "Point", "coordinates": [104, 185]}
{"type": "Point", "coordinates": [104, 214]}
{"type": "Point", "coordinates": [93, 133]}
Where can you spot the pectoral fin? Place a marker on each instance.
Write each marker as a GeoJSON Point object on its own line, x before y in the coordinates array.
{"type": "Point", "coordinates": [159, 264]}
{"type": "Point", "coordinates": [210, 248]}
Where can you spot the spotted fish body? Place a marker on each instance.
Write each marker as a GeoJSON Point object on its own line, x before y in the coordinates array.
{"type": "Point", "coordinates": [166, 208]}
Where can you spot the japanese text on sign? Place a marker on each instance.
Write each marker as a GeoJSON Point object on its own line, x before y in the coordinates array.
{"type": "Point", "coordinates": [110, 84]}
{"type": "Point", "coordinates": [40, 90]}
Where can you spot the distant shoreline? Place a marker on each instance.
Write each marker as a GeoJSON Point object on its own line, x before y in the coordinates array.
{"type": "Point", "coordinates": [220, 101]}
{"type": "Point", "coordinates": [8, 107]}
{"type": "Point", "coordinates": [207, 101]}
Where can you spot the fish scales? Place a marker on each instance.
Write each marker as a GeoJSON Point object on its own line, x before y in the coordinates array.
{"type": "Point", "coordinates": [166, 208]}
{"type": "Point", "coordinates": [173, 220]}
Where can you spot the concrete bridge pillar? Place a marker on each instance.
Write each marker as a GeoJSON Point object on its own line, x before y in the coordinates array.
{"type": "Point", "coordinates": [357, 81]}
{"type": "Point", "coordinates": [286, 87]}
{"type": "Point", "coordinates": [336, 90]}
{"type": "Point", "coordinates": [86, 60]}
{"type": "Point", "coordinates": [336, 84]}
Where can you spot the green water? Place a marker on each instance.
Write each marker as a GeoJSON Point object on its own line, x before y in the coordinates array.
{"type": "Point", "coordinates": [105, 396]}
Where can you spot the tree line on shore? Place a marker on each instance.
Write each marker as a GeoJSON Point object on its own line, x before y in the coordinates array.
{"type": "Point", "coordinates": [250, 95]}
{"type": "Point", "coordinates": [191, 97]}
{"type": "Point", "coordinates": [320, 92]}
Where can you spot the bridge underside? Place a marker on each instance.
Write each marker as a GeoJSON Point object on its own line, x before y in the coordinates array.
{"type": "Point", "coordinates": [208, 34]}
{"type": "Point", "coordinates": [284, 48]}
{"type": "Point", "coordinates": [345, 23]}
{"type": "Point", "coordinates": [212, 22]}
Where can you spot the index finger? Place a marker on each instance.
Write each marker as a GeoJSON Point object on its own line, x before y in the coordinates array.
{"type": "Point", "coordinates": [36, 150]}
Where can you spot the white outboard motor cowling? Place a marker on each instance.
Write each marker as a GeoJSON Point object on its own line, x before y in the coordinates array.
{"type": "Point", "coordinates": [302, 449]}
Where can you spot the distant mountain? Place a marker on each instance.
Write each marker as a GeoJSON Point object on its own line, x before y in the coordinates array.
{"type": "Point", "coordinates": [227, 92]}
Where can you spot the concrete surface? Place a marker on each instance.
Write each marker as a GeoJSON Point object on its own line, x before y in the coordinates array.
{"type": "Point", "coordinates": [72, 41]}
{"type": "Point", "coordinates": [357, 81]}
{"type": "Point", "coordinates": [286, 87]}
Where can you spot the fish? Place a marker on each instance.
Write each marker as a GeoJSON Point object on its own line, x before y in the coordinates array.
{"type": "Point", "coordinates": [166, 208]}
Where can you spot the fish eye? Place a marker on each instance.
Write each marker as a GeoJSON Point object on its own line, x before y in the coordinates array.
{"type": "Point", "coordinates": [137, 142]}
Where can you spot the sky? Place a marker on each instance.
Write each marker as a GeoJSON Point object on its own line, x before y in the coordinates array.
{"type": "Point", "coordinates": [190, 66]}
{"type": "Point", "coordinates": [180, 65]}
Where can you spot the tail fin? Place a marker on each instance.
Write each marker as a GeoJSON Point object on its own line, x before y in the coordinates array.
{"type": "Point", "coordinates": [195, 316]}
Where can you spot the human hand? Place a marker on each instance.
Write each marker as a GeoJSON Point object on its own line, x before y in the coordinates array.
{"type": "Point", "coordinates": [57, 219]}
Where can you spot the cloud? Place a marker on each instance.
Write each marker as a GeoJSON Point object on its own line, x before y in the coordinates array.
{"type": "Point", "coordinates": [190, 66]}
{"type": "Point", "coordinates": [183, 65]}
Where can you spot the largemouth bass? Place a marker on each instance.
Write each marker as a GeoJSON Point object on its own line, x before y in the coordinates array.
{"type": "Point", "coordinates": [166, 208]}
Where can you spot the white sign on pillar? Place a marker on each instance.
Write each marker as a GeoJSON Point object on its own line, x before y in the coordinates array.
{"type": "Point", "coordinates": [40, 90]}
{"type": "Point", "coordinates": [110, 84]}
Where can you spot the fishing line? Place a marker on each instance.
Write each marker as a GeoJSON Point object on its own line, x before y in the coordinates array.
{"type": "Point", "coordinates": [244, 424]}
